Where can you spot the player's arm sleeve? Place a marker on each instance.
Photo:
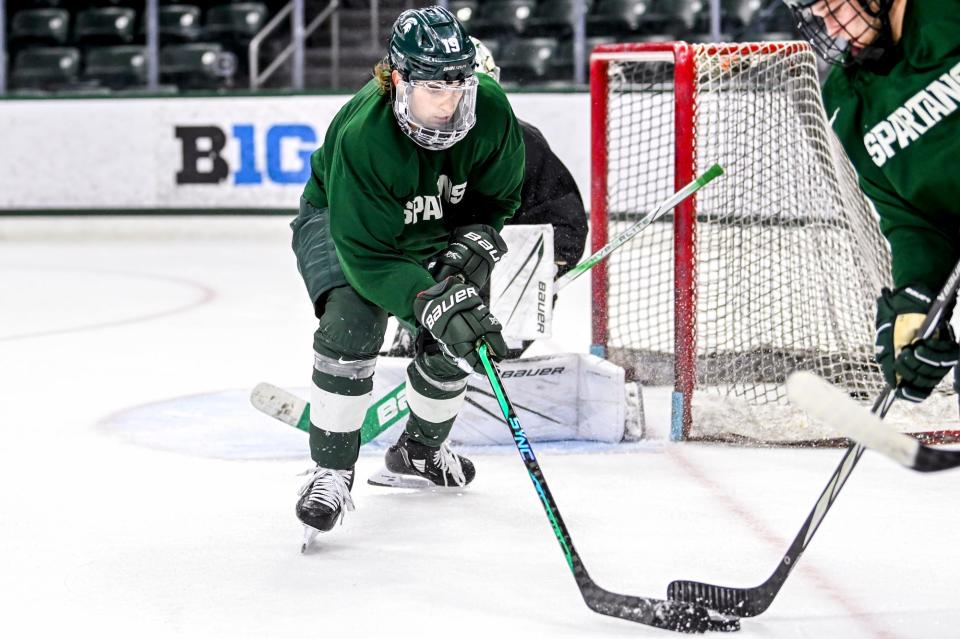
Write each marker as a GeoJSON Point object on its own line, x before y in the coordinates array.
{"type": "Point", "coordinates": [366, 222]}
{"type": "Point", "coordinates": [496, 182]}
{"type": "Point", "coordinates": [550, 196]}
{"type": "Point", "coordinates": [921, 245]}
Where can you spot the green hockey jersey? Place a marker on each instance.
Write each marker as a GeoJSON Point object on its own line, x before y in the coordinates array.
{"type": "Point", "coordinates": [900, 126]}
{"type": "Point", "coordinates": [393, 204]}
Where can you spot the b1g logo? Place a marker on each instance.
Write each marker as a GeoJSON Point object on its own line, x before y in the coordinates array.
{"type": "Point", "coordinates": [285, 152]}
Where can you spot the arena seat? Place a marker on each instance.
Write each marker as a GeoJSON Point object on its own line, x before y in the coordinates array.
{"type": "Point", "coordinates": [105, 25]}
{"type": "Point", "coordinates": [197, 65]}
{"type": "Point", "coordinates": [555, 18]}
{"type": "Point", "coordinates": [177, 23]}
{"type": "Point", "coordinates": [40, 26]}
{"type": "Point", "coordinates": [45, 68]}
{"type": "Point", "coordinates": [617, 17]}
{"type": "Point", "coordinates": [117, 67]}
{"type": "Point", "coordinates": [237, 22]}
{"type": "Point", "coordinates": [465, 10]}
{"type": "Point", "coordinates": [502, 17]}
{"type": "Point", "coordinates": [525, 59]}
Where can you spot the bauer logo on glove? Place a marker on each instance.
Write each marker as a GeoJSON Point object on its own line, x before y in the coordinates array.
{"type": "Point", "coordinates": [458, 319]}
{"type": "Point", "coordinates": [455, 297]}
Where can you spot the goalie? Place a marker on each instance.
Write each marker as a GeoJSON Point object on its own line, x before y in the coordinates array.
{"type": "Point", "coordinates": [892, 100]}
{"type": "Point", "coordinates": [424, 163]}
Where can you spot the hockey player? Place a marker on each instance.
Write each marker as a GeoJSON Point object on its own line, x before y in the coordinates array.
{"type": "Point", "coordinates": [549, 196]}
{"type": "Point", "coordinates": [425, 161]}
{"type": "Point", "coordinates": [893, 101]}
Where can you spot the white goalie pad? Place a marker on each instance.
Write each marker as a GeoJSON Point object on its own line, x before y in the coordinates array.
{"type": "Point", "coordinates": [521, 288]}
{"type": "Point", "coordinates": [557, 397]}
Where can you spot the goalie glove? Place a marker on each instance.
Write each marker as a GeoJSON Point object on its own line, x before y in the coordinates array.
{"type": "Point", "coordinates": [456, 316]}
{"type": "Point", "coordinates": [913, 366]}
{"type": "Point", "coordinates": [471, 255]}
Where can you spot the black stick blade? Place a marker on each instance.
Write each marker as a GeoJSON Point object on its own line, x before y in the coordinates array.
{"type": "Point", "coordinates": [743, 602]}
{"type": "Point", "coordinates": [677, 616]}
{"type": "Point", "coordinates": [933, 460]}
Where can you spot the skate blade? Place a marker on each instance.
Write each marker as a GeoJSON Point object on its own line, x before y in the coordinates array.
{"type": "Point", "coordinates": [309, 534]}
{"type": "Point", "coordinates": [389, 479]}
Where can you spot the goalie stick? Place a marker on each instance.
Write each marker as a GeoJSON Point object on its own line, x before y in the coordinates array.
{"type": "Point", "coordinates": [750, 602]}
{"type": "Point", "coordinates": [392, 407]}
{"type": "Point", "coordinates": [660, 613]}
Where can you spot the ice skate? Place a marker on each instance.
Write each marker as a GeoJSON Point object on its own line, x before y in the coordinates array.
{"type": "Point", "coordinates": [409, 464]}
{"type": "Point", "coordinates": [323, 500]}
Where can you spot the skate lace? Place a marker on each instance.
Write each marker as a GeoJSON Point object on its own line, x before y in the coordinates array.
{"type": "Point", "coordinates": [330, 488]}
{"type": "Point", "coordinates": [449, 465]}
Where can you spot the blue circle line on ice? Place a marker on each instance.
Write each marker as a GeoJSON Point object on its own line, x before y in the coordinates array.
{"type": "Point", "coordinates": [205, 296]}
{"type": "Point", "coordinates": [222, 424]}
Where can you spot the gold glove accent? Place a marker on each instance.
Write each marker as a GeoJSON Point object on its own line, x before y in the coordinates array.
{"type": "Point", "coordinates": [905, 331]}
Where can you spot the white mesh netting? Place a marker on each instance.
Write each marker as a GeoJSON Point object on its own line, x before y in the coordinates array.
{"type": "Point", "coordinates": [789, 256]}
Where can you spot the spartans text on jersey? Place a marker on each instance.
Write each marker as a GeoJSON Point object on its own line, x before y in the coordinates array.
{"type": "Point", "coordinates": [918, 115]}
{"type": "Point", "coordinates": [430, 207]}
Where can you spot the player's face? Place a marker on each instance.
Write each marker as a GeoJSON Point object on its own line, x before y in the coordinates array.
{"type": "Point", "coordinates": [435, 103]}
{"type": "Point", "coordinates": [846, 19]}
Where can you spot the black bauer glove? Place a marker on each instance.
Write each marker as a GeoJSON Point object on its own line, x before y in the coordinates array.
{"type": "Point", "coordinates": [456, 316]}
{"type": "Point", "coordinates": [473, 251]}
{"type": "Point", "coordinates": [913, 366]}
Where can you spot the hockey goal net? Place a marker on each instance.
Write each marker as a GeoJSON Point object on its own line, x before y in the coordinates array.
{"type": "Point", "coordinates": [773, 267]}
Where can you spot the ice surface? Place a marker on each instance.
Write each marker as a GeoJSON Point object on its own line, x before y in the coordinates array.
{"type": "Point", "coordinates": [192, 533]}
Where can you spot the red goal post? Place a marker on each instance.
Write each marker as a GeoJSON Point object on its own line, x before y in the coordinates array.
{"type": "Point", "coordinates": [772, 268]}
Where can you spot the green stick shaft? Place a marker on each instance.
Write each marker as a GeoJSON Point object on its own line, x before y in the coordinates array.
{"type": "Point", "coordinates": [662, 209]}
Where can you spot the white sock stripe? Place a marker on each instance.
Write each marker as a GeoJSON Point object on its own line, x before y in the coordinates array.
{"type": "Point", "coordinates": [352, 369]}
{"type": "Point", "coordinates": [337, 413]}
{"type": "Point", "coordinates": [883, 327]}
{"type": "Point", "coordinates": [432, 410]}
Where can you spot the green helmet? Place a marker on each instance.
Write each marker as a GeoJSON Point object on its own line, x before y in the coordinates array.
{"type": "Point", "coordinates": [435, 98]}
{"type": "Point", "coordinates": [431, 44]}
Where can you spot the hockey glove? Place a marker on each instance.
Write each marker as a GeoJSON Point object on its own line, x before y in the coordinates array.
{"type": "Point", "coordinates": [456, 316]}
{"type": "Point", "coordinates": [913, 366]}
{"type": "Point", "coordinates": [471, 255]}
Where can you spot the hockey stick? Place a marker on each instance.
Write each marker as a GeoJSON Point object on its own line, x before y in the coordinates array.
{"type": "Point", "coordinates": [660, 613]}
{"type": "Point", "coordinates": [392, 407]}
{"type": "Point", "coordinates": [750, 602]}
{"type": "Point", "coordinates": [824, 401]}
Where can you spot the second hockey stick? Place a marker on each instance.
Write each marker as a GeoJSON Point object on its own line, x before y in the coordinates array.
{"type": "Point", "coordinates": [660, 613]}
{"type": "Point", "coordinates": [392, 407]}
{"type": "Point", "coordinates": [750, 602]}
